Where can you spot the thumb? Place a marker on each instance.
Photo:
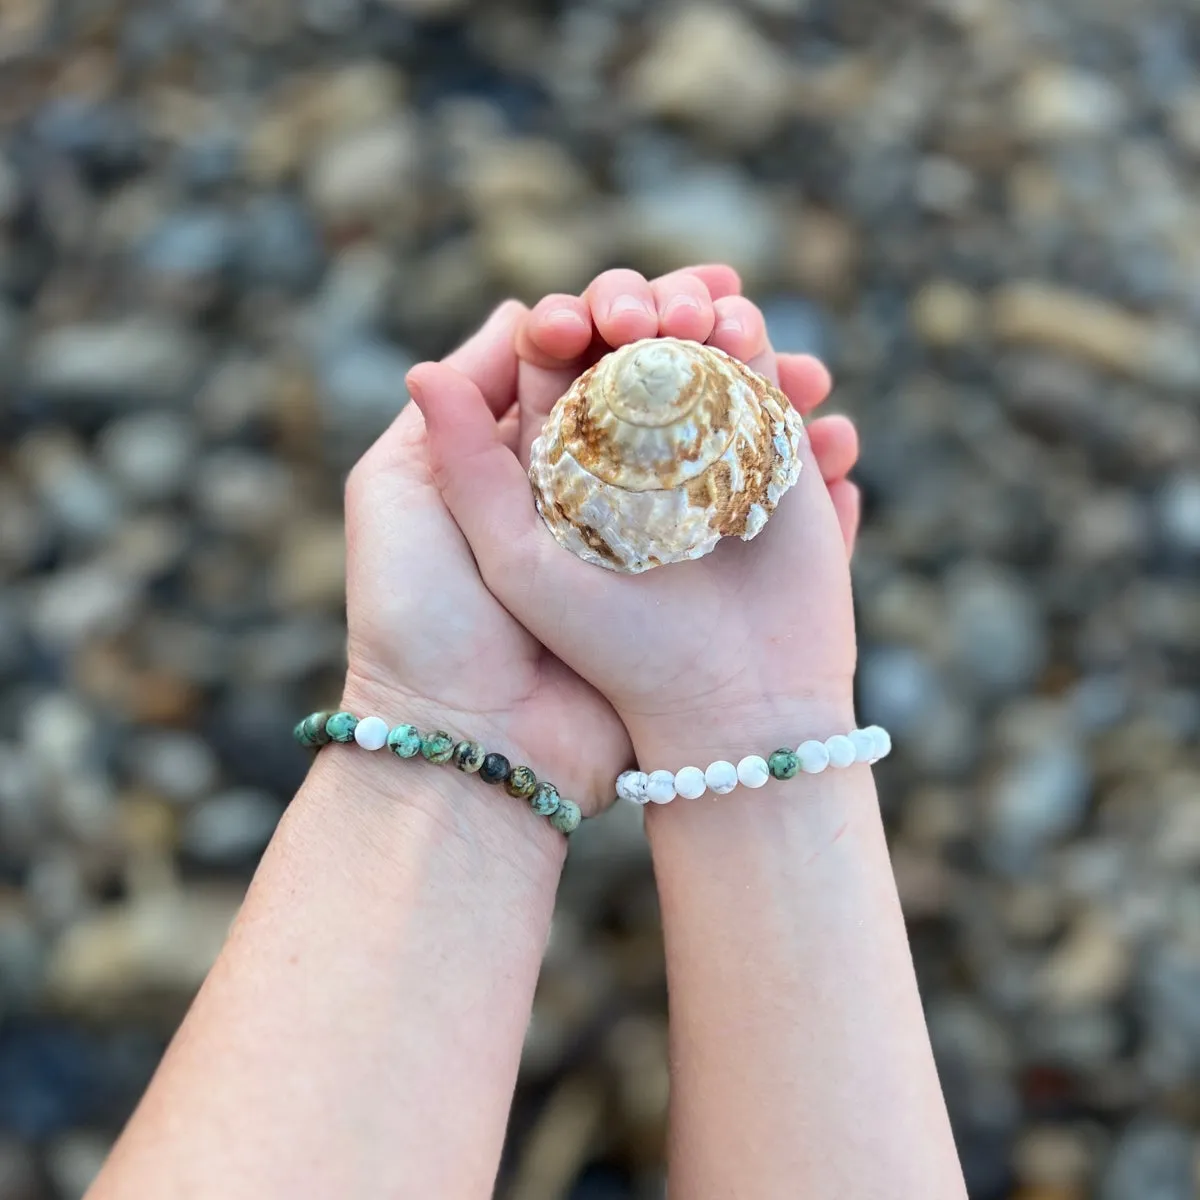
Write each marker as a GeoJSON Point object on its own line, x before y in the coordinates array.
{"type": "Point", "coordinates": [480, 479]}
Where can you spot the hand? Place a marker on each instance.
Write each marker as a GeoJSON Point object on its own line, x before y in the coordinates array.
{"type": "Point", "coordinates": [721, 656]}
{"type": "Point", "coordinates": [428, 643]}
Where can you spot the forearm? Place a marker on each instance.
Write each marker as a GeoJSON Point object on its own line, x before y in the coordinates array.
{"type": "Point", "coordinates": [361, 1031]}
{"type": "Point", "coordinates": [801, 1062]}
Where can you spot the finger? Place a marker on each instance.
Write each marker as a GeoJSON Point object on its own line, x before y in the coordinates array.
{"type": "Point", "coordinates": [622, 306]}
{"type": "Point", "coordinates": [834, 441]}
{"type": "Point", "coordinates": [720, 280]}
{"type": "Point", "coordinates": [509, 427]}
{"type": "Point", "coordinates": [479, 478]}
{"type": "Point", "coordinates": [488, 358]}
{"type": "Point", "coordinates": [804, 380]}
{"type": "Point", "coordinates": [740, 329]}
{"type": "Point", "coordinates": [685, 309]}
{"type": "Point", "coordinates": [557, 331]}
{"type": "Point", "coordinates": [847, 503]}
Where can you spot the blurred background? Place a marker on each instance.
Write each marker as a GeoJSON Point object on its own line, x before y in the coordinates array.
{"type": "Point", "coordinates": [226, 229]}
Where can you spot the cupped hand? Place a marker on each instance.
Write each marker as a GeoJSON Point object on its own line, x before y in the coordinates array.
{"type": "Point", "coordinates": [725, 655]}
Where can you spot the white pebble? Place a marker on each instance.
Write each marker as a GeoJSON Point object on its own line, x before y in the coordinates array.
{"type": "Point", "coordinates": [631, 786]}
{"type": "Point", "coordinates": [864, 745]}
{"type": "Point", "coordinates": [814, 757]}
{"type": "Point", "coordinates": [883, 741]}
{"type": "Point", "coordinates": [752, 771]}
{"type": "Point", "coordinates": [689, 783]}
{"type": "Point", "coordinates": [660, 787]}
{"type": "Point", "coordinates": [841, 750]}
{"type": "Point", "coordinates": [721, 777]}
{"type": "Point", "coordinates": [371, 733]}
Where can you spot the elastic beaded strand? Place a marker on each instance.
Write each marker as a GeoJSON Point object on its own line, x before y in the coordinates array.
{"type": "Point", "coordinates": [341, 727]}
{"type": "Point", "coordinates": [405, 741]}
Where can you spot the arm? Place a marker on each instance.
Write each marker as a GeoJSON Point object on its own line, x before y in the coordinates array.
{"type": "Point", "coordinates": [361, 1030]}
{"type": "Point", "coordinates": [801, 1063]}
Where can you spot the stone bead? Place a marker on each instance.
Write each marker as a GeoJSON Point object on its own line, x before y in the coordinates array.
{"type": "Point", "coordinates": [883, 741]}
{"type": "Point", "coordinates": [689, 783]}
{"type": "Point", "coordinates": [521, 782]}
{"type": "Point", "coordinates": [468, 756]}
{"type": "Point", "coordinates": [405, 741]}
{"type": "Point", "coordinates": [753, 771]}
{"type": "Point", "coordinates": [341, 726]}
{"type": "Point", "coordinates": [841, 750]}
{"type": "Point", "coordinates": [660, 787]}
{"type": "Point", "coordinates": [631, 786]}
{"type": "Point", "coordinates": [437, 746]}
{"type": "Point", "coordinates": [864, 745]}
{"type": "Point", "coordinates": [545, 800]}
{"type": "Point", "coordinates": [566, 817]}
{"type": "Point", "coordinates": [495, 768]}
{"type": "Point", "coordinates": [814, 758]}
{"type": "Point", "coordinates": [371, 733]}
{"type": "Point", "coordinates": [784, 764]}
{"type": "Point", "coordinates": [721, 777]}
{"type": "Point", "coordinates": [311, 731]}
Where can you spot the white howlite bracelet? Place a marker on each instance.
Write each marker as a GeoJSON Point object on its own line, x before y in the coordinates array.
{"type": "Point", "coordinates": [867, 746]}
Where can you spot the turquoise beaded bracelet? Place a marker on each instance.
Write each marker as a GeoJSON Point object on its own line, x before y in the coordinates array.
{"type": "Point", "coordinates": [406, 741]}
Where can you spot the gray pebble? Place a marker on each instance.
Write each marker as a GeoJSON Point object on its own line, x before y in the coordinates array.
{"type": "Point", "coordinates": [179, 765]}
{"type": "Point", "coordinates": [230, 827]}
{"type": "Point", "coordinates": [148, 454]}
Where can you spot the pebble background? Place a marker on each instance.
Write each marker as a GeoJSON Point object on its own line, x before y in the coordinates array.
{"type": "Point", "coordinates": [226, 229]}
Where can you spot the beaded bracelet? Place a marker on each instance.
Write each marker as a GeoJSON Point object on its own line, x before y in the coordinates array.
{"type": "Point", "coordinates": [867, 745]}
{"type": "Point", "coordinates": [406, 741]}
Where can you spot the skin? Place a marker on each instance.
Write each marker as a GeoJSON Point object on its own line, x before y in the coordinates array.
{"type": "Point", "coordinates": [361, 1030]}
{"type": "Point", "coordinates": [800, 1060]}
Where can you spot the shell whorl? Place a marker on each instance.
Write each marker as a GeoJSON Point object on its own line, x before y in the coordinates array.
{"type": "Point", "coordinates": [661, 449]}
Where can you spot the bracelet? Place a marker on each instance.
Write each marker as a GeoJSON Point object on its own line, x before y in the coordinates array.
{"type": "Point", "coordinates": [867, 745]}
{"type": "Point", "coordinates": [406, 741]}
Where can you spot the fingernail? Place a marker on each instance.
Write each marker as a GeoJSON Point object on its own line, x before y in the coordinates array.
{"type": "Point", "coordinates": [566, 316]}
{"type": "Point", "coordinates": [628, 304]}
{"type": "Point", "coordinates": [730, 325]}
{"type": "Point", "coordinates": [684, 301]}
{"type": "Point", "coordinates": [414, 391]}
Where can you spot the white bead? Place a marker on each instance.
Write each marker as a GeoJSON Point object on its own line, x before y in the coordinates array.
{"type": "Point", "coordinates": [864, 745]}
{"type": "Point", "coordinates": [660, 787]}
{"type": "Point", "coordinates": [841, 750]}
{"type": "Point", "coordinates": [689, 783]}
{"type": "Point", "coordinates": [752, 771]}
{"type": "Point", "coordinates": [371, 733]}
{"type": "Point", "coordinates": [631, 786]}
{"type": "Point", "coordinates": [721, 777]}
{"type": "Point", "coordinates": [813, 756]}
{"type": "Point", "coordinates": [883, 741]}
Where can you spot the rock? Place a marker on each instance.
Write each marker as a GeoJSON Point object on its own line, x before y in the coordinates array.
{"type": "Point", "coordinates": [1178, 510]}
{"type": "Point", "coordinates": [711, 67]}
{"type": "Point", "coordinates": [353, 302]}
{"type": "Point", "coordinates": [363, 389]}
{"type": "Point", "coordinates": [74, 1160]}
{"type": "Point", "coordinates": [1041, 796]}
{"type": "Point", "coordinates": [282, 246]}
{"type": "Point", "coordinates": [177, 765]}
{"type": "Point", "coordinates": [1054, 103]}
{"type": "Point", "coordinates": [945, 313]}
{"type": "Point", "coordinates": [367, 176]}
{"type": "Point", "coordinates": [943, 185]}
{"type": "Point", "coordinates": [20, 1178]}
{"type": "Point", "coordinates": [194, 244]}
{"type": "Point", "coordinates": [81, 500]}
{"type": "Point", "coordinates": [105, 140]}
{"type": "Point", "coordinates": [794, 324]}
{"type": "Point", "coordinates": [519, 174]}
{"type": "Point", "coordinates": [231, 828]}
{"type": "Point", "coordinates": [156, 947]}
{"type": "Point", "coordinates": [148, 454]}
{"type": "Point", "coordinates": [1152, 1160]}
{"type": "Point", "coordinates": [80, 603]}
{"type": "Point", "coordinates": [899, 688]}
{"type": "Point", "coordinates": [1056, 1157]}
{"type": "Point", "coordinates": [1089, 968]}
{"type": "Point", "coordinates": [242, 492]}
{"type": "Point", "coordinates": [531, 254]}
{"type": "Point", "coordinates": [22, 956]}
{"type": "Point", "coordinates": [138, 360]}
{"type": "Point", "coordinates": [310, 571]}
{"type": "Point", "coordinates": [823, 254]}
{"type": "Point", "coordinates": [703, 214]}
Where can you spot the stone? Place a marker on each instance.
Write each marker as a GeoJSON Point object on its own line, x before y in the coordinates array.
{"type": "Point", "coordinates": [521, 782]}
{"type": "Point", "coordinates": [148, 454]}
{"type": "Point", "coordinates": [468, 757]}
{"type": "Point", "coordinates": [711, 68]}
{"type": "Point", "coordinates": [281, 245]}
{"type": "Point", "coordinates": [362, 387]}
{"type": "Point", "coordinates": [1053, 102]}
{"type": "Point", "coordinates": [1090, 967]}
{"type": "Point", "coordinates": [944, 313]}
{"type": "Point", "coordinates": [121, 363]}
{"type": "Point", "coordinates": [74, 1160]}
{"type": "Point", "coordinates": [689, 783]}
{"type": "Point", "coordinates": [438, 747]}
{"type": "Point", "coordinates": [545, 800]}
{"type": "Point", "coordinates": [82, 602]}
{"type": "Point", "coordinates": [371, 733]}
{"type": "Point", "coordinates": [230, 828]}
{"type": "Point", "coordinates": [532, 255]}
{"type": "Point", "coordinates": [567, 817]}
{"type": "Point", "coordinates": [1178, 512]}
{"type": "Point", "coordinates": [753, 771]}
{"type": "Point", "coordinates": [1037, 798]}
{"type": "Point", "coordinates": [243, 492]}
{"type": "Point", "coordinates": [404, 741]}
{"type": "Point", "coordinates": [1152, 1160]}
{"type": "Point", "coordinates": [783, 764]}
{"type": "Point", "coordinates": [177, 765]}
{"type": "Point", "coordinates": [366, 175]}
{"type": "Point", "coordinates": [660, 787]}
{"type": "Point", "coordinates": [191, 244]}
{"type": "Point", "coordinates": [495, 768]}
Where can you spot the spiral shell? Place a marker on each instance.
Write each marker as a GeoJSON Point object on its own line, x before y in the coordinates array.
{"type": "Point", "coordinates": [660, 450]}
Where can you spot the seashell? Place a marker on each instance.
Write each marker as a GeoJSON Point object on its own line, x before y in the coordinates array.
{"type": "Point", "coordinates": [660, 450]}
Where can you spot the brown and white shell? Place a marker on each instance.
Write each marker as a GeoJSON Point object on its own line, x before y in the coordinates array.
{"type": "Point", "coordinates": [660, 450]}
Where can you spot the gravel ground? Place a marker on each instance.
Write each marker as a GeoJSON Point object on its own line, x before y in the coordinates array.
{"type": "Point", "coordinates": [226, 229]}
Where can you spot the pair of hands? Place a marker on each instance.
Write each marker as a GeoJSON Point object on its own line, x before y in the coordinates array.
{"type": "Point", "coordinates": [465, 614]}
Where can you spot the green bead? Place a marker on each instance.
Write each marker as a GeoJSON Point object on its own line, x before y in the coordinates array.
{"type": "Point", "coordinates": [341, 726]}
{"type": "Point", "coordinates": [521, 783]}
{"type": "Point", "coordinates": [784, 764]}
{"type": "Point", "coordinates": [405, 741]}
{"type": "Point", "coordinates": [545, 800]}
{"type": "Point", "coordinates": [495, 768]}
{"type": "Point", "coordinates": [567, 817]}
{"type": "Point", "coordinates": [314, 729]}
{"type": "Point", "coordinates": [437, 746]}
{"type": "Point", "coordinates": [468, 756]}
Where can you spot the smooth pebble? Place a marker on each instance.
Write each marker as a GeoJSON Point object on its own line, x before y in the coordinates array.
{"type": "Point", "coordinates": [752, 771]}
{"type": "Point", "coordinates": [690, 784]}
{"type": "Point", "coordinates": [660, 787]}
{"type": "Point", "coordinates": [631, 786]}
{"type": "Point", "coordinates": [721, 777]}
